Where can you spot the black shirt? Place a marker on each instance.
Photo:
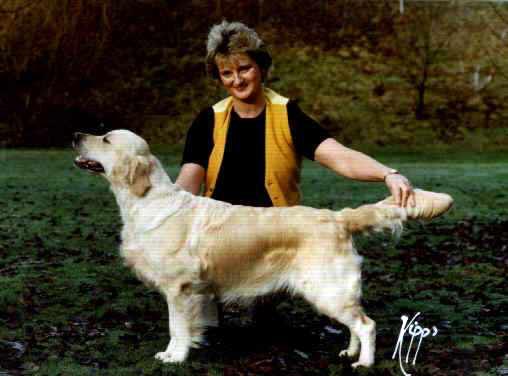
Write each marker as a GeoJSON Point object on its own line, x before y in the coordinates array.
{"type": "Point", "coordinates": [241, 178]}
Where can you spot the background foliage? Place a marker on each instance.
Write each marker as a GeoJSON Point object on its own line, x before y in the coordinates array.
{"type": "Point", "coordinates": [369, 74]}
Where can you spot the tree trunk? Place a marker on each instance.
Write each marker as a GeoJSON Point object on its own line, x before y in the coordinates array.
{"type": "Point", "coordinates": [422, 85]}
{"type": "Point", "coordinates": [260, 11]}
{"type": "Point", "coordinates": [324, 9]}
{"type": "Point", "coordinates": [218, 9]}
{"type": "Point", "coordinates": [420, 104]}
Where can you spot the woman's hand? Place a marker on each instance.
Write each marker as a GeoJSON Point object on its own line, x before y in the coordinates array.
{"type": "Point", "coordinates": [401, 190]}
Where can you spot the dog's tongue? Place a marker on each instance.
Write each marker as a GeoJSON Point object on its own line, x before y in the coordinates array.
{"type": "Point", "coordinates": [88, 164]}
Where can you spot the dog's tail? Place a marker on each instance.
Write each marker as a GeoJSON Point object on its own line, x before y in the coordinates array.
{"type": "Point", "coordinates": [368, 218]}
{"type": "Point", "coordinates": [387, 215]}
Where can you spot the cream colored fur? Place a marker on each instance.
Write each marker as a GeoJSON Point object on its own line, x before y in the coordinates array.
{"type": "Point", "coordinates": [193, 249]}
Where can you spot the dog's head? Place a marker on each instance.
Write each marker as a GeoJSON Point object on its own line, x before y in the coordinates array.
{"type": "Point", "coordinates": [120, 155]}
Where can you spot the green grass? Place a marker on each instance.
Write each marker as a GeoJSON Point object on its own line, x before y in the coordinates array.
{"type": "Point", "coordinates": [66, 298]}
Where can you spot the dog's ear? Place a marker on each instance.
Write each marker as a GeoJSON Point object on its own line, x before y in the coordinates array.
{"type": "Point", "coordinates": [139, 176]}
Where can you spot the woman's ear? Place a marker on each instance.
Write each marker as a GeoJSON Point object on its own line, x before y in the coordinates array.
{"type": "Point", "coordinates": [139, 176]}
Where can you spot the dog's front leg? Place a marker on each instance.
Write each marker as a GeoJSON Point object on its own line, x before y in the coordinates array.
{"type": "Point", "coordinates": [179, 330]}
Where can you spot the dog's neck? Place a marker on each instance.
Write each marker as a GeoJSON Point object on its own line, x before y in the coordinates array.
{"type": "Point", "coordinates": [128, 201]}
{"type": "Point", "coordinates": [161, 199]}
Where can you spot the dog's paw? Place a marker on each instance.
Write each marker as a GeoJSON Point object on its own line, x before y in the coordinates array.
{"type": "Point", "coordinates": [362, 364]}
{"type": "Point", "coordinates": [348, 353]}
{"type": "Point", "coordinates": [171, 356]}
{"type": "Point", "coordinates": [164, 356]}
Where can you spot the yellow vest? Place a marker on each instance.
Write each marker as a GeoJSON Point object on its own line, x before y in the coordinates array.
{"type": "Point", "coordinates": [282, 164]}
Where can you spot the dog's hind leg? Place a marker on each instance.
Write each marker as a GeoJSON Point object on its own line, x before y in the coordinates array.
{"type": "Point", "coordinates": [333, 286]}
{"type": "Point", "coordinates": [361, 327]}
{"type": "Point", "coordinates": [363, 331]}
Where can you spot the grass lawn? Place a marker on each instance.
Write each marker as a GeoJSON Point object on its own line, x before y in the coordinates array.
{"type": "Point", "coordinates": [68, 306]}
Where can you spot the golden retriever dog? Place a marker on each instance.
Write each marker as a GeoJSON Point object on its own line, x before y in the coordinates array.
{"type": "Point", "coordinates": [193, 249]}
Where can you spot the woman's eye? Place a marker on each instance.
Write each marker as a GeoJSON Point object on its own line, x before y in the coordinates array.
{"type": "Point", "coordinates": [105, 140]}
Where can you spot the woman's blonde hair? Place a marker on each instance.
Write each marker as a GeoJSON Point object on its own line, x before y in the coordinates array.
{"type": "Point", "coordinates": [229, 38]}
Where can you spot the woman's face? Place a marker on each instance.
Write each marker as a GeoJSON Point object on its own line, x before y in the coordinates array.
{"type": "Point", "coordinates": [240, 76]}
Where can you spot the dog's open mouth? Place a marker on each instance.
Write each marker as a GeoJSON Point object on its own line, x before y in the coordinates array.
{"type": "Point", "coordinates": [88, 164]}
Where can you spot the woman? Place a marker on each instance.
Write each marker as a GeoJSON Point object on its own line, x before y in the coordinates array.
{"type": "Point", "coordinates": [247, 149]}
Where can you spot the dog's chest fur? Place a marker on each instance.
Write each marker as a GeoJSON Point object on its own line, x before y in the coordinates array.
{"type": "Point", "coordinates": [133, 254]}
{"type": "Point", "coordinates": [160, 258]}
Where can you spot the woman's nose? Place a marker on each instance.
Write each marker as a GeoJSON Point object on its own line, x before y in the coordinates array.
{"type": "Point", "coordinates": [237, 79]}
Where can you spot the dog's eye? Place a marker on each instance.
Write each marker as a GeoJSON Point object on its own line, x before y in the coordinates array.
{"type": "Point", "coordinates": [105, 140]}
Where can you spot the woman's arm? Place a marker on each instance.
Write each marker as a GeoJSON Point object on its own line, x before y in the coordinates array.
{"type": "Point", "coordinates": [191, 177]}
{"type": "Point", "coordinates": [198, 146]}
{"type": "Point", "coordinates": [358, 166]}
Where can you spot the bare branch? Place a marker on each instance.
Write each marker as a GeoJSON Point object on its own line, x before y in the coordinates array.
{"type": "Point", "coordinates": [17, 10]}
{"type": "Point", "coordinates": [500, 14]}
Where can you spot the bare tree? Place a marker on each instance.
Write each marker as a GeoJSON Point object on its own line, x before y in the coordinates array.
{"type": "Point", "coordinates": [422, 40]}
{"type": "Point", "coordinates": [41, 42]}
